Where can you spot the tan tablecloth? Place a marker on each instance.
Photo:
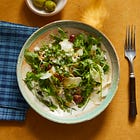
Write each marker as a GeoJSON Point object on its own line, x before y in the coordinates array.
{"type": "Point", "coordinates": [111, 17]}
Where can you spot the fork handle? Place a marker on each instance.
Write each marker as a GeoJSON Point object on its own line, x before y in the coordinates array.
{"type": "Point", "coordinates": [132, 103]}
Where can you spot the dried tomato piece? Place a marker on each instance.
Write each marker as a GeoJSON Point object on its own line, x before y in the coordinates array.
{"type": "Point", "coordinates": [77, 98]}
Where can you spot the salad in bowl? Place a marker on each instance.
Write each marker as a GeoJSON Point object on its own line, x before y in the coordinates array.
{"type": "Point", "coordinates": [68, 72]}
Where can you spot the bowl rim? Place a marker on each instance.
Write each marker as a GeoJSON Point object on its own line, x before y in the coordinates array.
{"type": "Point", "coordinates": [108, 98]}
{"type": "Point", "coordinates": [45, 14]}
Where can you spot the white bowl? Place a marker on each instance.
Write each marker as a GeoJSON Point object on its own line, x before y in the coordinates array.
{"type": "Point", "coordinates": [91, 111]}
{"type": "Point", "coordinates": [60, 5]}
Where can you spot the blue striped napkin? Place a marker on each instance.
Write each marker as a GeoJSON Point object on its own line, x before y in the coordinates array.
{"type": "Point", "coordinates": [12, 37]}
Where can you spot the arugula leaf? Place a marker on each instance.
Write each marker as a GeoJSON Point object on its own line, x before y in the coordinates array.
{"type": "Point", "coordinates": [30, 77]}
{"type": "Point", "coordinates": [32, 59]}
{"type": "Point", "coordinates": [60, 36]}
{"type": "Point", "coordinates": [79, 41]}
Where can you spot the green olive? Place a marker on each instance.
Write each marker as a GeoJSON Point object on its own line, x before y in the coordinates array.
{"type": "Point", "coordinates": [50, 6]}
{"type": "Point", "coordinates": [39, 3]}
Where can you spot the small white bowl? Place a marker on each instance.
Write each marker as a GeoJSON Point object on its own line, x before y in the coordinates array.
{"type": "Point", "coordinates": [59, 6]}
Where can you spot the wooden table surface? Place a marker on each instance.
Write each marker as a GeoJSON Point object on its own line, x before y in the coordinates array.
{"type": "Point", "coordinates": [111, 17]}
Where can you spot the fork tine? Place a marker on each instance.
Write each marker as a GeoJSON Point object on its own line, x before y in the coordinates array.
{"type": "Point", "coordinates": [129, 32]}
{"type": "Point", "coordinates": [127, 40]}
{"type": "Point", "coordinates": [133, 37]}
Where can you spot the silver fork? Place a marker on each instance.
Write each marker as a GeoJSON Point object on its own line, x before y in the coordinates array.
{"type": "Point", "coordinates": [130, 54]}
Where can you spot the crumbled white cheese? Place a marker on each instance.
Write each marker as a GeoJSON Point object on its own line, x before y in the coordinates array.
{"type": "Point", "coordinates": [66, 45]}
{"type": "Point", "coordinates": [46, 75]}
{"type": "Point", "coordinates": [52, 70]}
{"type": "Point", "coordinates": [93, 49]}
{"type": "Point", "coordinates": [79, 52]}
{"type": "Point", "coordinates": [36, 49]}
{"type": "Point", "coordinates": [72, 81]}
